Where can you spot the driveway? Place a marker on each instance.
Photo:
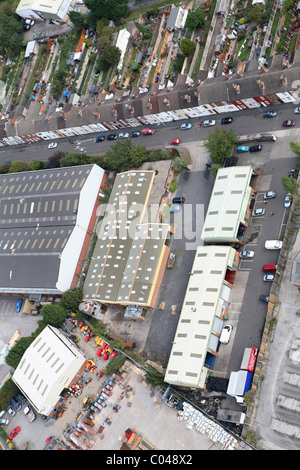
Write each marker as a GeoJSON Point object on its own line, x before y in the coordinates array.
{"type": "Point", "coordinates": [188, 225]}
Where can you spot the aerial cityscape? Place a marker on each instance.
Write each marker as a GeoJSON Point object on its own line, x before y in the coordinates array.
{"type": "Point", "coordinates": [150, 210]}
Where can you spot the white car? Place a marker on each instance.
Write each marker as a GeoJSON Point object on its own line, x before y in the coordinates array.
{"type": "Point", "coordinates": [269, 277]}
{"type": "Point", "coordinates": [123, 135]}
{"type": "Point", "coordinates": [258, 212]}
{"type": "Point", "coordinates": [186, 125]}
{"type": "Point", "coordinates": [297, 110]}
{"type": "Point", "coordinates": [225, 334]}
{"type": "Point", "coordinates": [208, 123]}
{"type": "Point", "coordinates": [53, 145]}
{"type": "Point", "coordinates": [287, 200]}
{"type": "Point", "coordinates": [247, 254]}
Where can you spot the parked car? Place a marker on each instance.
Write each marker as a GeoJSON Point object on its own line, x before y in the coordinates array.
{"type": "Point", "coordinates": [242, 148]}
{"type": "Point", "coordinates": [175, 142]}
{"type": "Point", "coordinates": [269, 268]}
{"type": "Point", "coordinates": [226, 120]}
{"type": "Point", "coordinates": [269, 277]}
{"type": "Point", "coordinates": [273, 244]}
{"type": "Point", "coordinates": [19, 305]}
{"type": "Point", "coordinates": [4, 421]}
{"type": "Point", "coordinates": [178, 200]}
{"type": "Point", "coordinates": [288, 123]}
{"type": "Point", "coordinates": [297, 110]}
{"type": "Point", "coordinates": [123, 135]}
{"type": "Point", "coordinates": [292, 173]}
{"type": "Point", "coordinates": [186, 125]}
{"type": "Point", "coordinates": [270, 195]}
{"type": "Point", "coordinates": [264, 298]}
{"type": "Point", "coordinates": [247, 254]}
{"type": "Point", "coordinates": [148, 131]}
{"type": "Point", "coordinates": [112, 137]}
{"type": "Point", "coordinates": [287, 200]}
{"type": "Point", "coordinates": [225, 334]}
{"type": "Point", "coordinates": [100, 138]}
{"type": "Point", "coordinates": [256, 148]}
{"type": "Point", "coordinates": [14, 432]}
{"type": "Point", "coordinates": [209, 123]}
{"type": "Point", "coordinates": [135, 134]}
{"type": "Point", "coordinates": [53, 145]}
{"type": "Point", "coordinates": [11, 411]}
{"type": "Point", "coordinates": [258, 212]}
{"type": "Point", "coordinates": [15, 404]}
{"type": "Point", "coordinates": [270, 114]}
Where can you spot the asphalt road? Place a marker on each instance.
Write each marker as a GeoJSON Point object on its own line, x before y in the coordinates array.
{"type": "Point", "coordinates": [245, 122]}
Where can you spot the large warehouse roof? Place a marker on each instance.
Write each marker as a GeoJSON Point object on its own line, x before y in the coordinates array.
{"type": "Point", "coordinates": [48, 366]}
{"type": "Point", "coordinates": [228, 204]}
{"type": "Point", "coordinates": [200, 316]}
{"type": "Point", "coordinates": [127, 256]}
{"type": "Point", "coordinates": [44, 216]}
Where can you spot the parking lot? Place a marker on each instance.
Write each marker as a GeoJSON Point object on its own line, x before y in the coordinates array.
{"type": "Point", "coordinates": [136, 409]}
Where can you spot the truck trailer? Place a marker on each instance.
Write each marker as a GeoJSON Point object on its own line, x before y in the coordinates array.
{"type": "Point", "coordinates": [239, 384]}
{"type": "Point", "coordinates": [249, 359]}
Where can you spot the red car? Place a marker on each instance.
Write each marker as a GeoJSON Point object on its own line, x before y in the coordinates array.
{"type": "Point", "coordinates": [288, 123]}
{"type": "Point", "coordinates": [113, 354]}
{"type": "Point", "coordinates": [147, 131]}
{"type": "Point", "coordinates": [175, 141]}
{"type": "Point", "coordinates": [14, 432]}
{"type": "Point", "coordinates": [105, 356]}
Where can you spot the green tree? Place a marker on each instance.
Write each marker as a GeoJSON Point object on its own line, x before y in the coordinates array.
{"type": "Point", "coordinates": [137, 155]}
{"type": "Point", "coordinates": [178, 165]}
{"type": "Point", "coordinates": [16, 352]}
{"type": "Point", "coordinates": [195, 18]}
{"type": "Point", "coordinates": [34, 165]}
{"type": "Point", "coordinates": [187, 46]}
{"type": "Point", "coordinates": [53, 315]}
{"type": "Point", "coordinates": [78, 19]}
{"type": "Point", "coordinates": [11, 38]}
{"type": "Point", "coordinates": [295, 147]}
{"type": "Point", "coordinates": [71, 298]}
{"type": "Point", "coordinates": [114, 364]}
{"type": "Point", "coordinates": [154, 378]}
{"type": "Point", "coordinates": [18, 166]}
{"type": "Point", "coordinates": [117, 158]}
{"type": "Point", "coordinates": [110, 9]}
{"type": "Point", "coordinates": [289, 184]}
{"type": "Point", "coordinates": [219, 143]}
{"type": "Point", "coordinates": [73, 159]}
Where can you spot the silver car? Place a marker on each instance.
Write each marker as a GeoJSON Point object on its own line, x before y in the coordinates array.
{"type": "Point", "coordinates": [270, 195]}
{"type": "Point", "coordinates": [247, 254]}
{"type": "Point", "coordinates": [209, 122]}
{"type": "Point", "coordinates": [269, 277]}
{"type": "Point", "coordinates": [123, 135]}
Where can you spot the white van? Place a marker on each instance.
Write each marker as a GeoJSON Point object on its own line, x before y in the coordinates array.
{"type": "Point", "coordinates": [273, 244]}
{"type": "Point", "coordinates": [225, 334]}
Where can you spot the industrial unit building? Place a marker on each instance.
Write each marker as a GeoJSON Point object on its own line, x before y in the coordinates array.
{"type": "Point", "coordinates": [131, 252]}
{"type": "Point", "coordinates": [46, 222]}
{"type": "Point", "coordinates": [201, 319]}
{"type": "Point", "coordinates": [49, 365]}
{"type": "Point", "coordinates": [39, 10]}
{"type": "Point", "coordinates": [229, 206]}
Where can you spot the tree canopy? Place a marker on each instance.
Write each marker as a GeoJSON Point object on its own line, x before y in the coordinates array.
{"type": "Point", "coordinates": [219, 144]}
{"type": "Point", "coordinates": [71, 298]}
{"type": "Point", "coordinates": [110, 9]}
{"type": "Point", "coordinates": [187, 46]}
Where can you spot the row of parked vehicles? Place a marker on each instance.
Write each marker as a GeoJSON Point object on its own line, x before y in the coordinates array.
{"type": "Point", "coordinates": [15, 406]}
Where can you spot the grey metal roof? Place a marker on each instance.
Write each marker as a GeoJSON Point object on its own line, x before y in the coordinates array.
{"type": "Point", "coordinates": [38, 211]}
{"type": "Point", "coordinates": [127, 252]}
